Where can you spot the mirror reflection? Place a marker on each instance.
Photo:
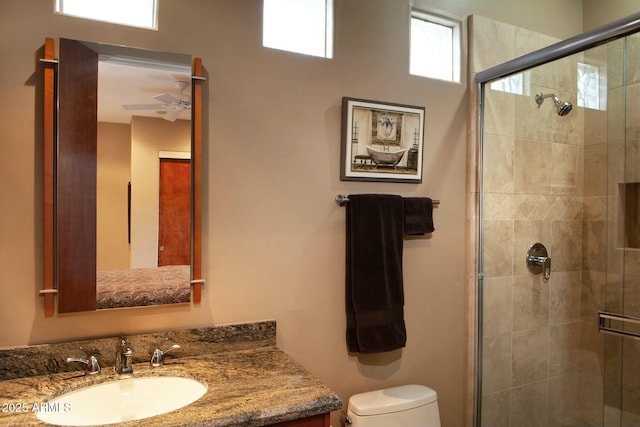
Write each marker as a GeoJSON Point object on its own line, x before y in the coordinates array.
{"type": "Point", "coordinates": [143, 232]}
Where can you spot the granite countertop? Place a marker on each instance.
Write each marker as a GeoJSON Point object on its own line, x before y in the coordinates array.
{"type": "Point", "coordinates": [246, 387]}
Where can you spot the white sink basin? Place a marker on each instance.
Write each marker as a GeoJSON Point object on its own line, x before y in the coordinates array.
{"type": "Point", "coordinates": [122, 400]}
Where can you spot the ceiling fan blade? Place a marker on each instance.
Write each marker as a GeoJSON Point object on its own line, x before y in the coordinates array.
{"type": "Point", "coordinates": [129, 107]}
{"type": "Point", "coordinates": [171, 115]}
{"type": "Point", "coordinates": [182, 78]}
{"type": "Point", "coordinates": [166, 98]}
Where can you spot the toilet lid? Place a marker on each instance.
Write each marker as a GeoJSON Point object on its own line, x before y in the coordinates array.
{"type": "Point", "coordinates": [391, 400]}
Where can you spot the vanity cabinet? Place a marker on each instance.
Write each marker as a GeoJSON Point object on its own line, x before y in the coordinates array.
{"type": "Point", "coordinates": [321, 420]}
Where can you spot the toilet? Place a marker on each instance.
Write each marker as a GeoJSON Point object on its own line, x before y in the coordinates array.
{"type": "Point", "coordinates": [406, 406]}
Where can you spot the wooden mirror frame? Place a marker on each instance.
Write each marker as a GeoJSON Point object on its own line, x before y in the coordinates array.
{"type": "Point", "coordinates": [51, 269]}
{"type": "Point", "coordinates": [48, 125]}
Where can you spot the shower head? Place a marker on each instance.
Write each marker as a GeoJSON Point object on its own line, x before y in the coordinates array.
{"type": "Point", "coordinates": [562, 107]}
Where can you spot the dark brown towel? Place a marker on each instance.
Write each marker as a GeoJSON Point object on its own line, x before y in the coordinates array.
{"type": "Point", "coordinates": [418, 215]}
{"type": "Point", "coordinates": [374, 287]}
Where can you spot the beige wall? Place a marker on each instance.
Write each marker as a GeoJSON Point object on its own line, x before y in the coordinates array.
{"type": "Point", "coordinates": [113, 174]}
{"type": "Point", "coordinates": [559, 19]}
{"type": "Point", "coordinates": [597, 12]}
{"type": "Point", "coordinates": [273, 238]}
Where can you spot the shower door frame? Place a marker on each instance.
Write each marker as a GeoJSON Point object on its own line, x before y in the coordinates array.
{"type": "Point", "coordinates": [582, 42]}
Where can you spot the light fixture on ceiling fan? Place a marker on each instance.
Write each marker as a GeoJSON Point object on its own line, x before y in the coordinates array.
{"type": "Point", "coordinates": [171, 105]}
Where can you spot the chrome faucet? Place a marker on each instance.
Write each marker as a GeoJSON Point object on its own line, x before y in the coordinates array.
{"type": "Point", "coordinates": [158, 355]}
{"type": "Point", "coordinates": [124, 357]}
{"type": "Point", "coordinates": [93, 367]}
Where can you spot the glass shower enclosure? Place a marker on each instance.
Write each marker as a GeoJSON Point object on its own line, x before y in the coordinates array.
{"type": "Point", "coordinates": [559, 234]}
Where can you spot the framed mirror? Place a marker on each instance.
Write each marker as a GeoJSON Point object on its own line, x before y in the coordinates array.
{"type": "Point", "coordinates": [126, 178]}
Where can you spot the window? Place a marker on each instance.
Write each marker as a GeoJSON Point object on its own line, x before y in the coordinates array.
{"type": "Point", "coordinates": [589, 91]}
{"type": "Point", "coordinates": [301, 26]}
{"type": "Point", "coordinates": [435, 47]}
{"type": "Point", "coordinates": [135, 13]}
{"type": "Point", "coordinates": [514, 84]}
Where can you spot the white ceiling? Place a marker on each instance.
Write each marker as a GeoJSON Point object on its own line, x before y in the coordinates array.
{"type": "Point", "coordinates": [124, 84]}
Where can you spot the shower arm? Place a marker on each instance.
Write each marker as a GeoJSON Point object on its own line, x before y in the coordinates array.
{"type": "Point", "coordinates": [540, 97]}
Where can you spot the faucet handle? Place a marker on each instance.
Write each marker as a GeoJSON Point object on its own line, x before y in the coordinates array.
{"type": "Point", "coordinates": [93, 367]}
{"type": "Point", "coordinates": [123, 345]}
{"type": "Point", "coordinates": [157, 359]}
{"type": "Point", "coordinates": [124, 348]}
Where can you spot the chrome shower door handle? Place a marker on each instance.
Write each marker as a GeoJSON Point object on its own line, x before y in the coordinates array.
{"type": "Point", "coordinates": [538, 260]}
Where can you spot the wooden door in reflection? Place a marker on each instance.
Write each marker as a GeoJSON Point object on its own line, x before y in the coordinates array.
{"type": "Point", "coordinates": [174, 231]}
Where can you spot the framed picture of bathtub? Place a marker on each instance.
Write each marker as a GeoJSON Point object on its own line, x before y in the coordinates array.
{"type": "Point", "coordinates": [381, 141]}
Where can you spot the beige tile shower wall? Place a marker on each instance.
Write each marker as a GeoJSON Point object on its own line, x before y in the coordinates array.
{"type": "Point", "coordinates": [534, 178]}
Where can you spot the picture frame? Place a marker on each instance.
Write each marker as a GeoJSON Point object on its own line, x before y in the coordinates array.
{"type": "Point", "coordinates": [381, 141]}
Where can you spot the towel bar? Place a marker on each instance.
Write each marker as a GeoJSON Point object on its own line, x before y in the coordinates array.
{"type": "Point", "coordinates": [342, 200]}
{"type": "Point", "coordinates": [604, 324]}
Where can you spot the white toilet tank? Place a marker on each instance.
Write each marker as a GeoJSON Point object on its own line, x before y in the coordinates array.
{"type": "Point", "coordinates": [404, 406]}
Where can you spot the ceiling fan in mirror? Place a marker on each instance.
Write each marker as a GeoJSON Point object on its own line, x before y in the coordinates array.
{"type": "Point", "coordinates": [171, 105]}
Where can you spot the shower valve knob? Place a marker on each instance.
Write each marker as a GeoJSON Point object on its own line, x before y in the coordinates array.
{"type": "Point", "coordinates": [538, 260]}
